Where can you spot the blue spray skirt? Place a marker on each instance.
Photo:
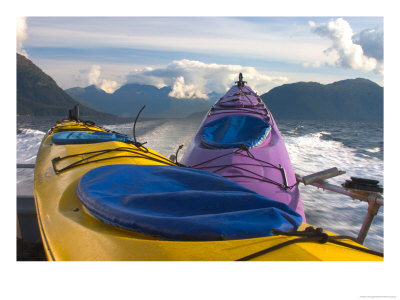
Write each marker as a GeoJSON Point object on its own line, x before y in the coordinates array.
{"type": "Point", "coordinates": [180, 204]}
{"type": "Point", "coordinates": [78, 137]}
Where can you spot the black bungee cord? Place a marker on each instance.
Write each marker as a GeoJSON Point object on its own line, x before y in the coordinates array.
{"type": "Point", "coordinates": [176, 156]}
{"type": "Point", "coordinates": [310, 234]}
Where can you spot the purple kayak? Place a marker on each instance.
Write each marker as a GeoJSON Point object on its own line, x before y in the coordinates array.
{"type": "Point", "coordinates": [239, 139]}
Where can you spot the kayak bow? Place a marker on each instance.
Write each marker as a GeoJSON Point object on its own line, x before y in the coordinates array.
{"type": "Point", "coordinates": [240, 140]}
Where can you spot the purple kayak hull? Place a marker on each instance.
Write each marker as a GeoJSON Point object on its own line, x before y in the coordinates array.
{"type": "Point", "coordinates": [265, 168]}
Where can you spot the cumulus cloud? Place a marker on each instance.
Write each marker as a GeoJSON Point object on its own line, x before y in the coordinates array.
{"type": "Point", "coordinates": [349, 53]}
{"type": "Point", "coordinates": [182, 90]}
{"type": "Point", "coordinates": [22, 35]}
{"type": "Point", "coordinates": [94, 74]}
{"type": "Point", "coordinates": [196, 79]}
{"type": "Point", "coordinates": [109, 86]}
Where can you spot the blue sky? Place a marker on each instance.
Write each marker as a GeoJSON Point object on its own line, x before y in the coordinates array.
{"type": "Point", "coordinates": [203, 54]}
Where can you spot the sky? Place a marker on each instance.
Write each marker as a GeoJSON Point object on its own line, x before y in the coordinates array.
{"type": "Point", "coordinates": [198, 55]}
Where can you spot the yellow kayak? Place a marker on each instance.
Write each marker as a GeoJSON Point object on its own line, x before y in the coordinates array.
{"type": "Point", "coordinates": [71, 231]}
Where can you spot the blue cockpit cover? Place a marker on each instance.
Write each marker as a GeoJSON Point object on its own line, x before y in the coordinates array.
{"type": "Point", "coordinates": [234, 131]}
{"type": "Point", "coordinates": [83, 137]}
{"type": "Point", "coordinates": [177, 203]}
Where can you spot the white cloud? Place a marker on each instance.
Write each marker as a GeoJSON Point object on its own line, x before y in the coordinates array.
{"type": "Point", "coordinates": [195, 79]}
{"type": "Point", "coordinates": [94, 74]}
{"type": "Point", "coordinates": [182, 90]}
{"type": "Point", "coordinates": [109, 86]}
{"type": "Point", "coordinates": [349, 54]}
{"type": "Point", "coordinates": [22, 35]}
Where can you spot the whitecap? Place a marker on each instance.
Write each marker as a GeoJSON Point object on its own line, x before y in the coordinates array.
{"type": "Point", "coordinates": [373, 150]}
{"type": "Point", "coordinates": [28, 142]}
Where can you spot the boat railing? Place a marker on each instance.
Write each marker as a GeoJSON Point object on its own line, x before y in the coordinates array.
{"type": "Point", "coordinates": [374, 199]}
{"type": "Point", "coordinates": [22, 166]}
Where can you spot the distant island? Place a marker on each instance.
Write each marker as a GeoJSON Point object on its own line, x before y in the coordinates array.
{"type": "Point", "coordinates": [352, 99]}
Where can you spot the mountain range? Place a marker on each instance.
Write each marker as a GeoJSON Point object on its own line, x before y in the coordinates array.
{"type": "Point", "coordinates": [130, 98]}
{"type": "Point", "coordinates": [352, 99]}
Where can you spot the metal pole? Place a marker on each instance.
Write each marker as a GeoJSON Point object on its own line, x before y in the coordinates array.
{"type": "Point", "coordinates": [322, 175]}
{"type": "Point", "coordinates": [374, 200]}
{"type": "Point", "coordinates": [373, 209]}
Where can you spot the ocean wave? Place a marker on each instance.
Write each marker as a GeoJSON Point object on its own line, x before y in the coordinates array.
{"type": "Point", "coordinates": [334, 212]}
{"type": "Point", "coordinates": [374, 150]}
{"type": "Point", "coordinates": [28, 142]}
{"type": "Point", "coordinates": [322, 133]}
{"type": "Point", "coordinates": [310, 153]}
{"type": "Point", "coordinates": [28, 132]}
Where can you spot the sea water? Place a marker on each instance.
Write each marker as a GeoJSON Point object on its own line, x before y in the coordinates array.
{"type": "Point", "coordinates": [354, 147]}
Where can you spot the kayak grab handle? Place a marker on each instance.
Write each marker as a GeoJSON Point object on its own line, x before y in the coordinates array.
{"type": "Point", "coordinates": [285, 183]}
{"type": "Point", "coordinates": [53, 162]}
